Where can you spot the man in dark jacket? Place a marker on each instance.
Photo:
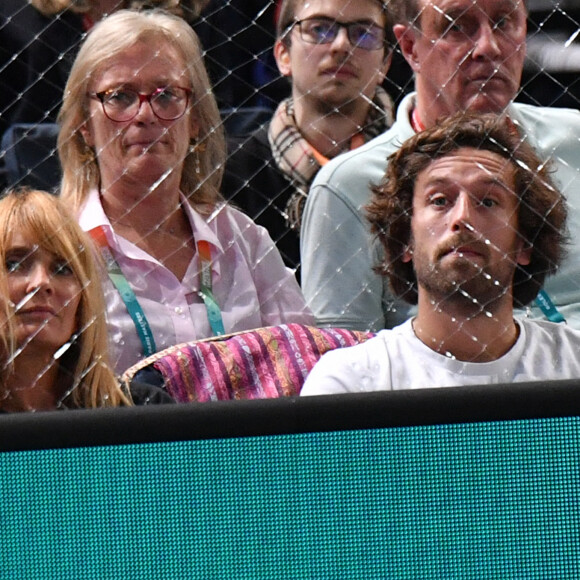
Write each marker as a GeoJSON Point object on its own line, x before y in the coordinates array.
{"type": "Point", "coordinates": [335, 54]}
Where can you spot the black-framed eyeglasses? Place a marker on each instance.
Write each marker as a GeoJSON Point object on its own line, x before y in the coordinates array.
{"type": "Point", "coordinates": [123, 104]}
{"type": "Point", "coordinates": [365, 35]}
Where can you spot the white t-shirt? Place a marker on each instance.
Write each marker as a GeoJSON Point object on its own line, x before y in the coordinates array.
{"type": "Point", "coordinates": [397, 359]}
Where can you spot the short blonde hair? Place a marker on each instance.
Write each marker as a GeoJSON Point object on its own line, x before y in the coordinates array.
{"type": "Point", "coordinates": [45, 219]}
{"type": "Point", "coordinates": [107, 39]}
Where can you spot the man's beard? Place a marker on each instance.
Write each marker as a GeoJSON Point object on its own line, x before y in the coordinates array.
{"type": "Point", "coordinates": [465, 286]}
{"type": "Point", "coordinates": [329, 107]}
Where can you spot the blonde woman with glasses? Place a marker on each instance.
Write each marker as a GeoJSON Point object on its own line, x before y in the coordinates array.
{"type": "Point", "coordinates": [142, 150]}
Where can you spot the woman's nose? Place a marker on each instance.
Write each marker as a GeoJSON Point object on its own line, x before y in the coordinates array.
{"type": "Point", "coordinates": [40, 278]}
{"type": "Point", "coordinates": [145, 111]}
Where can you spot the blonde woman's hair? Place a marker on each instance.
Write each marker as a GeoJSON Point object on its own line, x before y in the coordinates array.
{"type": "Point", "coordinates": [200, 180]}
{"type": "Point", "coordinates": [6, 336]}
{"type": "Point", "coordinates": [188, 9]}
{"type": "Point", "coordinates": [85, 366]}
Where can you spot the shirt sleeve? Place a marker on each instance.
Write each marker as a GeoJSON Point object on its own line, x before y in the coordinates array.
{"type": "Point", "coordinates": [338, 256]}
{"type": "Point", "coordinates": [280, 298]}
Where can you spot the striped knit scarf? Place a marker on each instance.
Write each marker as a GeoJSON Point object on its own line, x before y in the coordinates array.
{"type": "Point", "coordinates": [294, 156]}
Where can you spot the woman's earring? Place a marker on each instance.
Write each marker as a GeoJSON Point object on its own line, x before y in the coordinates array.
{"type": "Point", "coordinates": [89, 161]}
{"type": "Point", "coordinates": [197, 148]}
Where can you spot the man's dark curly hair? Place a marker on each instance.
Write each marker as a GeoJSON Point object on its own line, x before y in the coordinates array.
{"type": "Point", "coordinates": [542, 209]}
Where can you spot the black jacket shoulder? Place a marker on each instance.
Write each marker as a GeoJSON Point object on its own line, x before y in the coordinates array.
{"type": "Point", "coordinates": [254, 183]}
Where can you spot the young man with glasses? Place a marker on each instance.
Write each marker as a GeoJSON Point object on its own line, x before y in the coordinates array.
{"type": "Point", "coordinates": [335, 54]}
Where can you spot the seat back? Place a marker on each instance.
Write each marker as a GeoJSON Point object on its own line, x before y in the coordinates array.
{"type": "Point", "coordinates": [241, 121]}
{"type": "Point", "coordinates": [267, 362]}
{"type": "Point", "coordinates": [30, 156]}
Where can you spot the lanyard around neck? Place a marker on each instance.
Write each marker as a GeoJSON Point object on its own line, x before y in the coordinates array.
{"type": "Point", "coordinates": [214, 314]}
{"type": "Point", "coordinates": [136, 313]}
{"type": "Point", "coordinates": [548, 308]}
{"type": "Point", "coordinates": [127, 295]}
{"type": "Point", "coordinates": [355, 142]}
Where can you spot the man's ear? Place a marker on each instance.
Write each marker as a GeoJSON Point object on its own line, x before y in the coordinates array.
{"type": "Point", "coordinates": [282, 56]}
{"type": "Point", "coordinates": [407, 255]}
{"type": "Point", "coordinates": [524, 255]}
{"type": "Point", "coordinates": [406, 36]}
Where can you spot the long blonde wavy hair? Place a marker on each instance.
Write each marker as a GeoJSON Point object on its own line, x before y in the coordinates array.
{"type": "Point", "coordinates": [85, 367]}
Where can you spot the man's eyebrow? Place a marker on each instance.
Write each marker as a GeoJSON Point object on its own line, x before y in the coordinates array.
{"type": "Point", "coordinates": [452, 13]}
{"type": "Point", "coordinates": [496, 181]}
{"type": "Point", "coordinates": [442, 180]}
{"type": "Point", "coordinates": [512, 4]}
{"type": "Point", "coordinates": [438, 182]}
{"type": "Point", "coordinates": [363, 20]}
